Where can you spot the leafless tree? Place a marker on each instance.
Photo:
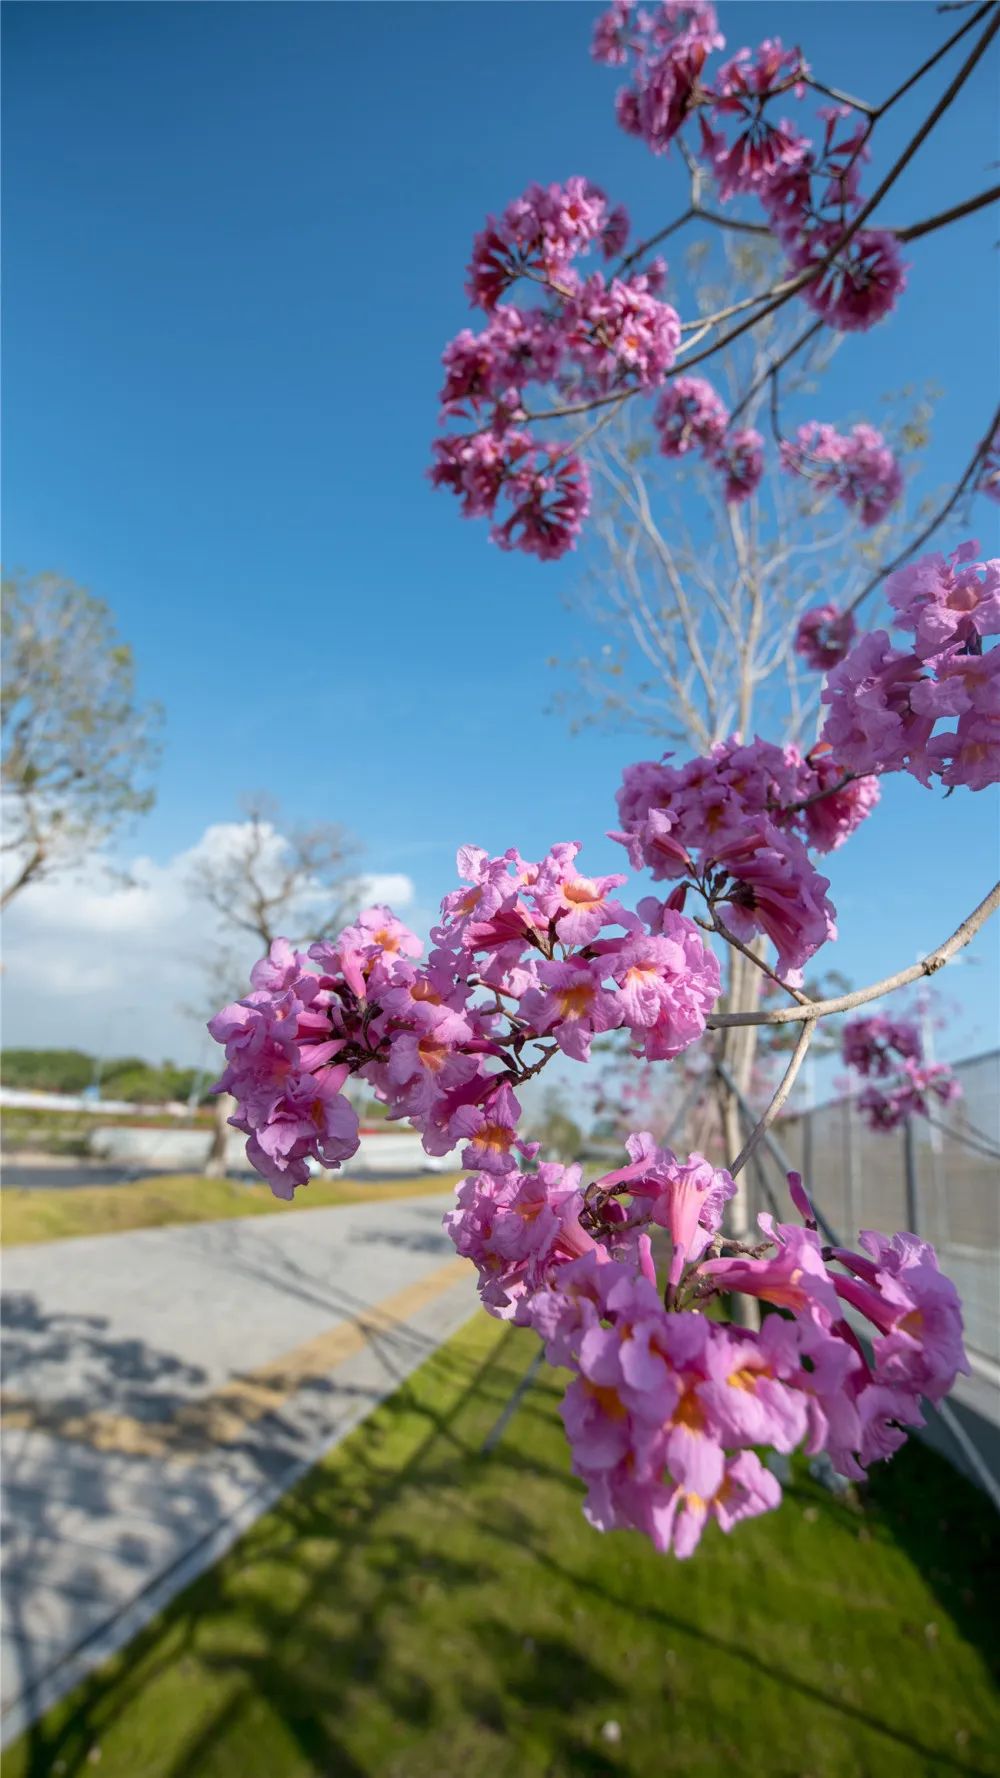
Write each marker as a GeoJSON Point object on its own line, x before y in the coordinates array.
{"type": "Point", "coordinates": [275, 880]}
{"type": "Point", "coordinates": [280, 880]}
{"type": "Point", "coordinates": [697, 600]}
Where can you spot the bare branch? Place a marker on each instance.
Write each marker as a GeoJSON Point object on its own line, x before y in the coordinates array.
{"type": "Point", "coordinates": [944, 217]}
{"type": "Point", "coordinates": [928, 965]}
{"type": "Point", "coordinates": [780, 1096]}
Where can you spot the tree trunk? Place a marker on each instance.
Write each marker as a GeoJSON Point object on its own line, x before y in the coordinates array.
{"type": "Point", "coordinates": [215, 1165]}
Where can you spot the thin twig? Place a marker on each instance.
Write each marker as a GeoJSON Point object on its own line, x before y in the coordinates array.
{"type": "Point", "coordinates": [800, 340]}
{"type": "Point", "coordinates": [941, 220]}
{"type": "Point", "coordinates": [840, 98]}
{"type": "Point", "coordinates": [925, 67]}
{"type": "Point", "coordinates": [738, 945]}
{"type": "Point", "coordinates": [784, 1088]}
{"type": "Point", "coordinates": [929, 965]}
{"type": "Point", "coordinates": [809, 274]}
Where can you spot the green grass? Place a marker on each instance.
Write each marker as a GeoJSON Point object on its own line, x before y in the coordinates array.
{"type": "Point", "coordinates": [55, 1215]}
{"type": "Point", "coordinates": [418, 1608]}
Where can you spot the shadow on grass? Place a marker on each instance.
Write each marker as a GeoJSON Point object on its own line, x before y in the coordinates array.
{"type": "Point", "coordinates": [320, 1616]}
{"type": "Point", "coordinates": [290, 1673]}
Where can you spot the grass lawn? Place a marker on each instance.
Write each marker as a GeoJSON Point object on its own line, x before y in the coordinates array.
{"type": "Point", "coordinates": [420, 1608]}
{"type": "Point", "coordinates": [52, 1215]}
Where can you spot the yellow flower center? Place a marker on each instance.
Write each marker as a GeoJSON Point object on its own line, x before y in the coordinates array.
{"type": "Point", "coordinates": [574, 1002]}
{"type": "Point", "coordinates": [495, 1136]}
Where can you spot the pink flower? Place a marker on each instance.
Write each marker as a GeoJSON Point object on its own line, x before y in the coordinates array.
{"type": "Point", "coordinates": [621, 334]}
{"type": "Point", "coordinates": [860, 468]}
{"type": "Point", "coordinates": [610, 40]}
{"type": "Point", "coordinates": [571, 1004]}
{"type": "Point", "coordinates": [915, 1308]}
{"type": "Point", "coordinates": [762, 149]}
{"type": "Point", "coordinates": [862, 281]}
{"type": "Point", "coordinates": [668, 984]}
{"type": "Point", "coordinates": [655, 842]}
{"type": "Point", "coordinates": [946, 601]}
{"type": "Point", "coordinates": [771, 886]}
{"type": "Point", "coordinates": [870, 1044]}
{"type": "Point", "coordinates": [690, 415]}
{"type": "Point", "coordinates": [311, 1118]}
{"type": "Point", "coordinates": [687, 1198]}
{"type": "Point", "coordinates": [549, 491]}
{"type": "Point", "coordinates": [746, 1399]}
{"type": "Point", "coordinates": [517, 1228]}
{"type": "Point", "coordinates": [614, 235]}
{"type": "Point", "coordinates": [547, 486]}
{"type": "Point", "coordinates": [832, 819]}
{"type": "Point", "coordinates": [740, 455]}
{"type": "Point", "coordinates": [824, 636]}
{"type": "Point", "coordinates": [519, 346]}
{"type": "Point", "coordinates": [796, 1278]}
{"type": "Point", "coordinates": [474, 468]}
{"type": "Point", "coordinates": [970, 756]}
{"type": "Point", "coordinates": [541, 231]}
{"type": "Point", "coordinates": [669, 48]}
{"type": "Point", "coordinates": [490, 1130]}
{"type": "Point", "coordinates": [579, 906]}
{"type": "Point", "coordinates": [874, 723]}
{"type": "Point", "coordinates": [746, 1490]}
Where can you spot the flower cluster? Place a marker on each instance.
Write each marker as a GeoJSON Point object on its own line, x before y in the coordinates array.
{"type": "Point", "coordinates": [885, 704]}
{"type": "Point", "coordinates": [878, 1048]}
{"type": "Point", "coordinates": [764, 149]}
{"type": "Point", "coordinates": [587, 337]}
{"type": "Point", "coordinates": [667, 1408]}
{"type": "Point", "coordinates": [824, 636]}
{"type": "Point", "coordinates": [669, 49]}
{"type": "Point", "coordinates": [522, 956]}
{"type": "Point", "coordinates": [734, 825]}
{"type": "Point", "coordinates": [691, 415]}
{"type": "Point", "coordinates": [808, 187]}
{"type": "Point", "coordinates": [859, 468]}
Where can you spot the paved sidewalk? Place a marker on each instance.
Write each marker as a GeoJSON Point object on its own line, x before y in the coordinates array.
{"type": "Point", "coordinates": [163, 1387]}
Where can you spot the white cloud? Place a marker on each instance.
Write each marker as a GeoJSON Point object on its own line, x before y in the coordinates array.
{"type": "Point", "coordinates": [108, 960]}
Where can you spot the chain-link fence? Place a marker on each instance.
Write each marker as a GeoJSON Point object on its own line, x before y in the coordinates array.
{"type": "Point", "coordinates": [946, 1189]}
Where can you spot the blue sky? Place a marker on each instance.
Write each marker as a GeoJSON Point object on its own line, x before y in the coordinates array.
{"type": "Point", "coordinates": [235, 243]}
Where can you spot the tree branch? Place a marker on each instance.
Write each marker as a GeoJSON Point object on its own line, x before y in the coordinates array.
{"type": "Point", "coordinates": [941, 220]}
{"type": "Point", "coordinates": [783, 1090]}
{"type": "Point", "coordinates": [928, 965]}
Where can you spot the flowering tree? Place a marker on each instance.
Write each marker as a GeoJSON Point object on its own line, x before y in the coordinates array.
{"type": "Point", "coordinates": [667, 1406]}
{"type": "Point", "coordinates": [603, 339]}
{"type": "Point", "coordinates": [578, 351]}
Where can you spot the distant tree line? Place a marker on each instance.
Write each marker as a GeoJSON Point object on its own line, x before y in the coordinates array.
{"type": "Point", "coordinates": [118, 1077]}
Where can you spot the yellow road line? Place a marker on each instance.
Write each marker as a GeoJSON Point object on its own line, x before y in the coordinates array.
{"type": "Point", "coordinates": [224, 1416]}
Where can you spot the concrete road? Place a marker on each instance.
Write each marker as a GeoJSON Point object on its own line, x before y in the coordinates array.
{"type": "Point", "coordinates": [163, 1387]}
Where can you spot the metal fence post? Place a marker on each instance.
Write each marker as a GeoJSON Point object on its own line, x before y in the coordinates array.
{"type": "Point", "coordinates": [910, 1175]}
{"type": "Point", "coordinates": [854, 1212]}
{"type": "Point", "coordinates": [807, 1147]}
